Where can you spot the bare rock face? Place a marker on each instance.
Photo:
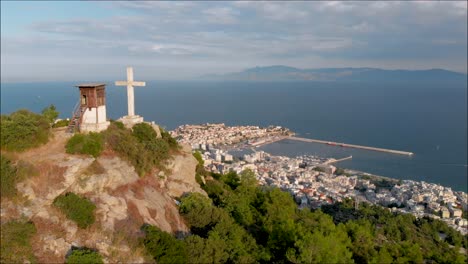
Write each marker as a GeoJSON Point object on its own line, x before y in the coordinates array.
{"type": "Point", "coordinates": [124, 201]}
{"type": "Point", "coordinates": [182, 177]}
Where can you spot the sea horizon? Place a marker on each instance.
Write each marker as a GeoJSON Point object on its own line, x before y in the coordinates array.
{"type": "Point", "coordinates": [425, 118]}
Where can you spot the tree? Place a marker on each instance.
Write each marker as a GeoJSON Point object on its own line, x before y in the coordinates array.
{"type": "Point", "coordinates": [50, 113]}
{"type": "Point", "coordinates": [163, 246]}
{"type": "Point", "coordinates": [200, 213]}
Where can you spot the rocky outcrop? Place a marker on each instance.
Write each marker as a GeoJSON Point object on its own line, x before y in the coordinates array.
{"type": "Point", "coordinates": [181, 180]}
{"type": "Point", "coordinates": [123, 202]}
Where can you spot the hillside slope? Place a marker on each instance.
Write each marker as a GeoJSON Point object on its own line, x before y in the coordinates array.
{"type": "Point", "coordinates": [124, 201]}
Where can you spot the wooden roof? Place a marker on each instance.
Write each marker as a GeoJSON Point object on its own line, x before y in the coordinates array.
{"type": "Point", "coordinates": [90, 85]}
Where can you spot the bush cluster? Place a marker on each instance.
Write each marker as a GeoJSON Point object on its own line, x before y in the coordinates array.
{"type": "Point", "coordinates": [22, 130]}
{"type": "Point", "coordinates": [91, 144]}
{"type": "Point", "coordinates": [241, 222]}
{"type": "Point", "coordinates": [15, 242]}
{"type": "Point", "coordinates": [76, 208]}
{"type": "Point", "coordinates": [140, 146]}
{"type": "Point", "coordinates": [84, 256]}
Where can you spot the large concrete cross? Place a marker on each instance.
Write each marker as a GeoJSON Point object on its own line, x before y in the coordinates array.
{"type": "Point", "coordinates": [130, 96]}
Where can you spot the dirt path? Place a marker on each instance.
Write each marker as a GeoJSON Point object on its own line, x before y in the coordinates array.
{"type": "Point", "coordinates": [55, 146]}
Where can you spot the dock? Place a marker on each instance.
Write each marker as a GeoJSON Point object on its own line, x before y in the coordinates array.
{"type": "Point", "coordinates": [269, 141]}
{"type": "Point", "coordinates": [392, 151]}
{"type": "Point", "coordinates": [337, 160]}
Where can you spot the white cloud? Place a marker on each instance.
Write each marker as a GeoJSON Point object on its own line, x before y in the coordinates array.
{"type": "Point", "coordinates": [227, 35]}
{"type": "Point", "coordinates": [221, 15]}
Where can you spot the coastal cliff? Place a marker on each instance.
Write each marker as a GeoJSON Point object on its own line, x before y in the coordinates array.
{"type": "Point", "coordinates": [124, 201]}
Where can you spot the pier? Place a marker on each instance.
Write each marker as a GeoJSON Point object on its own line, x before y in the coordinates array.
{"type": "Point", "coordinates": [269, 140]}
{"type": "Point", "coordinates": [352, 146]}
{"type": "Point", "coordinates": [337, 160]}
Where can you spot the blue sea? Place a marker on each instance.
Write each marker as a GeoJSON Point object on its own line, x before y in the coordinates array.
{"type": "Point", "coordinates": [426, 118]}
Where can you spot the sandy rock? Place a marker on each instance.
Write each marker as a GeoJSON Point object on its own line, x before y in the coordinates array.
{"type": "Point", "coordinates": [111, 209]}
{"type": "Point", "coordinates": [74, 165]}
{"type": "Point", "coordinates": [56, 246]}
{"type": "Point", "coordinates": [182, 178]}
{"type": "Point", "coordinates": [117, 173]}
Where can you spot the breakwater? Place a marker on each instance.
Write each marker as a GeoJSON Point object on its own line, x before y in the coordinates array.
{"type": "Point", "coordinates": [392, 151]}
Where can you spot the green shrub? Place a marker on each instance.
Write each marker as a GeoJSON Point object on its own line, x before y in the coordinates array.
{"type": "Point", "coordinates": [15, 242]}
{"type": "Point", "coordinates": [76, 208]}
{"type": "Point", "coordinates": [124, 143]}
{"type": "Point", "coordinates": [8, 177]}
{"type": "Point", "coordinates": [169, 139]}
{"type": "Point", "coordinates": [119, 124]}
{"type": "Point", "coordinates": [22, 130]}
{"type": "Point", "coordinates": [140, 147]}
{"type": "Point", "coordinates": [92, 144]}
{"type": "Point", "coordinates": [144, 132]}
{"type": "Point", "coordinates": [199, 158]}
{"type": "Point", "coordinates": [84, 256]}
{"type": "Point", "coordinates": [61, 123]}
{"type": "Point", "coordinates": [163, 247]}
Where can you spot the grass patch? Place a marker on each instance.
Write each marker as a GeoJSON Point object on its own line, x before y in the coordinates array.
{"type": "Point", "coordinates": [84, 256]}
{"type": "Point", "coordinates": [94, 168]}
{"type": "Point", "coordinates": [25, 169]}
{"type": "Point", "coordinates": [91, 144]}
{"type": "Point", "coordinates": [76, 208]}
{"type": "Point", "coordinates": [15, 242]}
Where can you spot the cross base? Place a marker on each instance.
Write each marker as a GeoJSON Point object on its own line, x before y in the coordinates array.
{"type": "Point", "coordinates": [130, 121]}
{"type": "Point", "coordinates": [90, 127]}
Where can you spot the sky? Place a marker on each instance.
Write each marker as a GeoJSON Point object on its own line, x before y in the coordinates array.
{"type": "Point", "coordinates": [95, 41]}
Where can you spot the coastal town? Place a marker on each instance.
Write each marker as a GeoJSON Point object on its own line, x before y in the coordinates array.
{"type": "Point", "coordinates": [315, 181]}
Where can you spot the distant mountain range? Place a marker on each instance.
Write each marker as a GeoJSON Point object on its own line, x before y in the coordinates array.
{"type": "Point", "coordinates": [285, 73]}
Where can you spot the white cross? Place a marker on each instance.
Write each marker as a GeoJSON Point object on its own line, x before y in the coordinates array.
{"type": "Point", "coordinates": [130, 83]}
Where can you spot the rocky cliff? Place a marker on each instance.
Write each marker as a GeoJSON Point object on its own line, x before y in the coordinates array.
{"type": "Point", "coordinates": [124, 201]}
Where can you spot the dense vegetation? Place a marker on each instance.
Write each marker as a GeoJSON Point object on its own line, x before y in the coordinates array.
{"type": "Point", "coordinates": [140, 146]}
{"type": "Point", "coordinates": [84, 256]}
{"type": "Point", "coordinates": [8, 177]}
{"type": "Point", "coordinates": [76, 208]}
{"type": "Point", "coordinates": [243, 223]}
{"type": "Point", "coordinates": [15, 242]}
{"type": "Point", "coordinates": [23, 130]}
{"type": "Point", "coordinates": [91, 144]}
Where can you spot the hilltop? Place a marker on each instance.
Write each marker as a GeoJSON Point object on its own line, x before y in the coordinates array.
{"type": "Point", "coordinates": [123, 199]}
{"type": "Point", "coordinates": [286, 73]}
